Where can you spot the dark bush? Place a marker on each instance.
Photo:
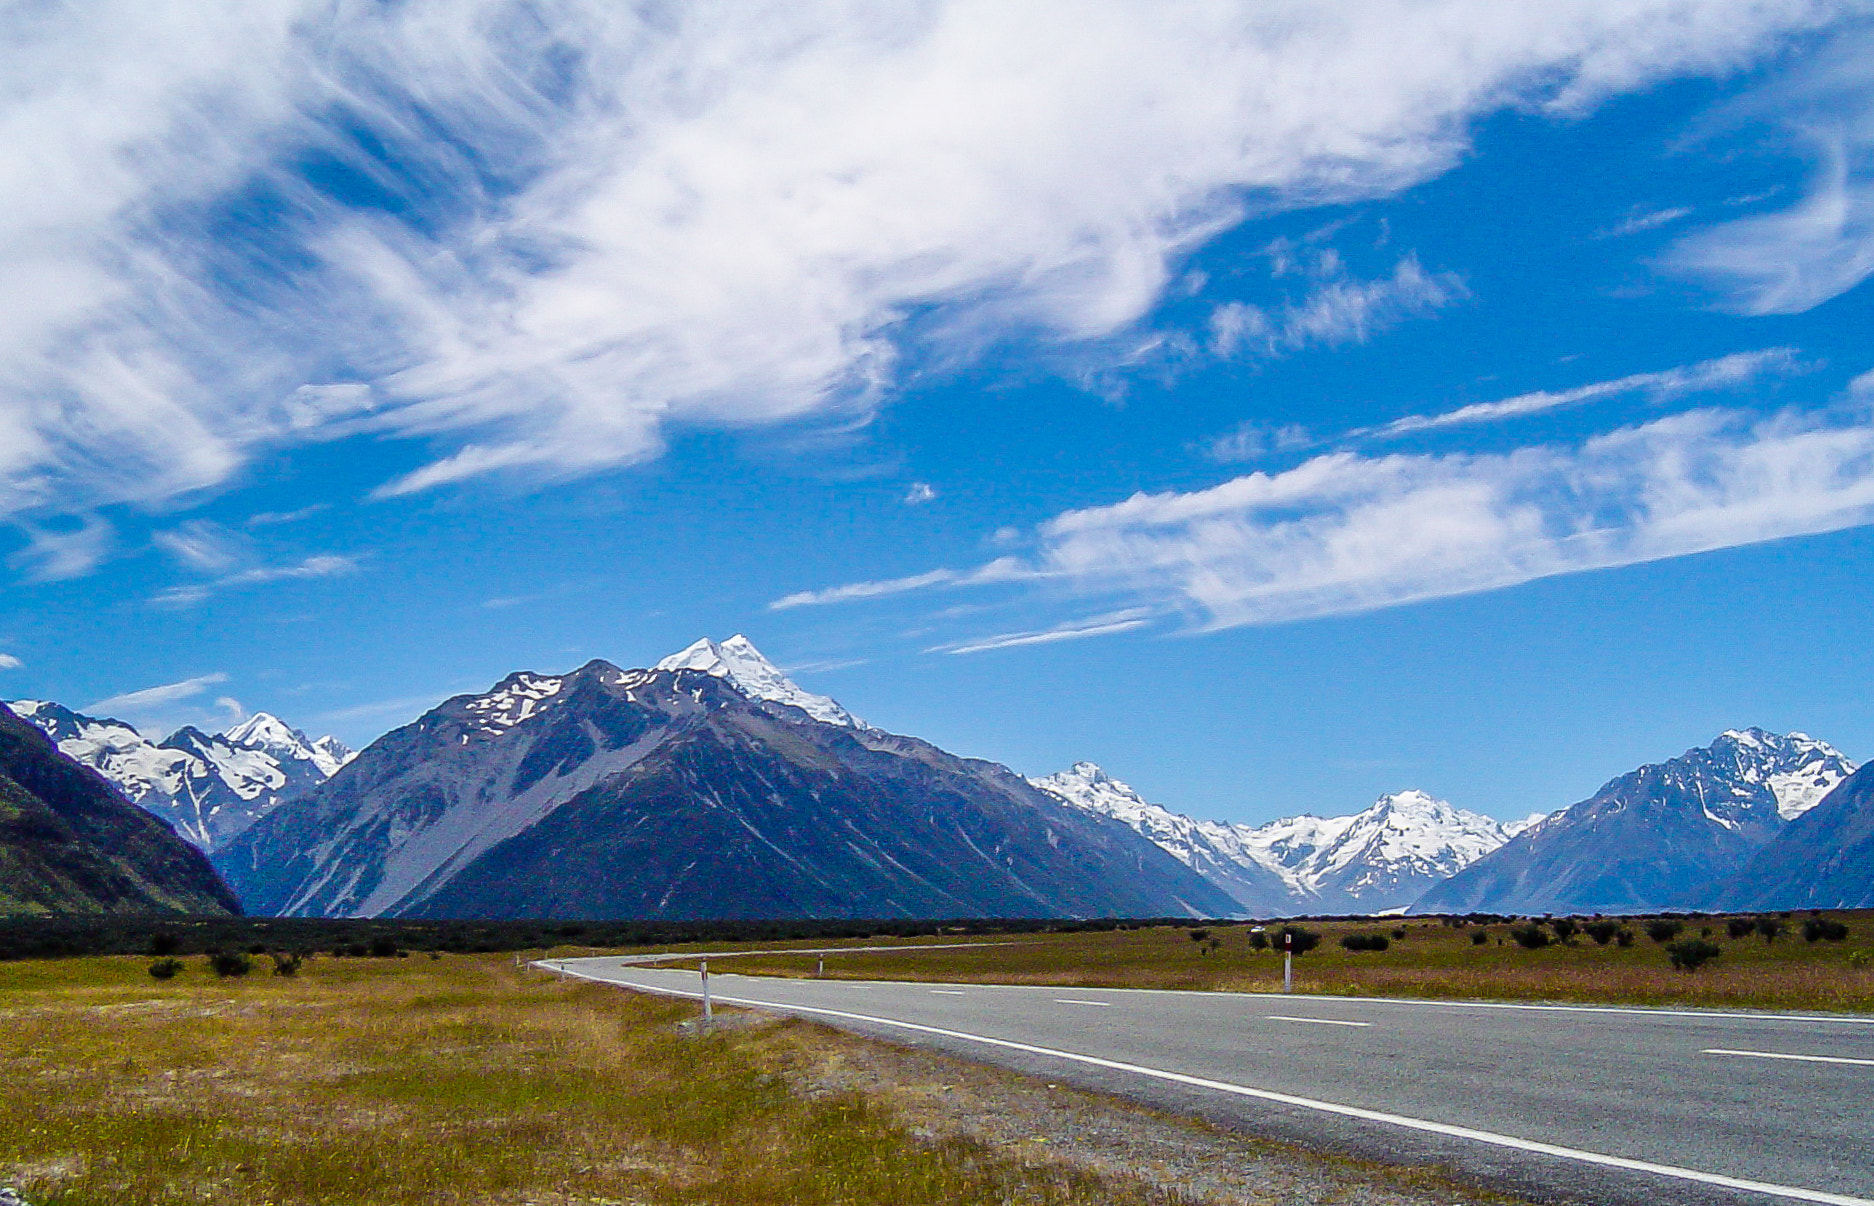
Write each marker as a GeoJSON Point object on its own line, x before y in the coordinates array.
{"type": "Point", "coordinates": [1624, 938]}
{"type": "Point", "coordinates": [1530, 937]}
{"type": "Point", "coordinates": [164, 943]}
{"type": "Point", "coordinates": [285, 964]}
{"type": "Point", "coordinates": [229, 963]}
{"type": "Point", "coordinates": [1691, 954]}
{"type": "Point", "coordinates": [384, 948]}
{"type": "Point", "coordinates": [1602, 931]}
{"type": "Point", "coordinates": [1480, 937]}
{"type": "Point", "coordinates": [1816, 928]}
{"type": "Point", "coordinates": [1564, 927]}
{"type": "Point", "coordinates": [1199, 935]}
{"type": "Point", "coordinates": [165, 968]}
{"type": "Point", "coordinates": [1770, 927]}
{"type": "Point", "coordinates": [1738, 927]}
{"type": "Point", "coordinates": [1397, 935]}
{"type": "Point", "coordinates": [1303, 940]}
{"type": "Point", "coordinates": [1365, 942]}
{"type": "Point", "coordinates": [1663, 930]}
{"type": "Point", "coordinates": [1258, 940]}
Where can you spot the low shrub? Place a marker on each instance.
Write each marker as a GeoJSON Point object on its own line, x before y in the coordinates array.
{"type": "Point", "coordinates": [1398, 936]}
{"type": "Point", "coordinates": [1258, 940]}
{"type": "Point", "coordinates": [1817, 928]}
{"type": "Point", "coordinates": [1771, 928]}
{"type": "Point", "coordinates": [1530, 937]}
{"type": "Point", "coordinates": [285, 964]}
{"type": "Point", "coordinates": [1365, 942]}
{"type": "Point", "coordinates": [163, 944]}
{"type": "Point", "coordinates": [165, 968]}
{"type": "Point", "coordinates": [1663, 929]}
{"type": "Point", "coordinates": [229, 963]}
{"type": "Point", "coordinates": [1303, 940]}
{"type": "Point", "coordinates": [384, 948]}
{"type": "Point", "coordinates": [1624, 938]}
{"type": "Point", "coordinates": [1480, 938]}
{"type": "Point", "coordinates": [1691, 954]}
{"type": "Point", "coordinates": [1564, 928]}
{"type": "Point", "coordinates": [1738, 927]}
{"type": "Point", "coordinates": [1199, 935]}
{"type": "Point", "coordinates": [1602, 931]}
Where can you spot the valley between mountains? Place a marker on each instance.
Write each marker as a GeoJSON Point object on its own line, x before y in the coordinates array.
{"type": "Point", "coordinates": [712, 786]}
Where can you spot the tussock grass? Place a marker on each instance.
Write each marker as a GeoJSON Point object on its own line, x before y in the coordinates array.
{"type": "Point", "coordinates": [1432, 960]}
{"type": "Point", "coordinates": [459, 1080]}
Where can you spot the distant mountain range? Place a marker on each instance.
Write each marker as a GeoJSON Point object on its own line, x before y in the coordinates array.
{"type": "Point", "coordinates": [1377, 860]}
{"type": "Point", "coordinates": [209, 787]}
{"type": "Point", "coordinates": [1663, 836]}
{"type": "Point", "coordinates": [69, 843]}
{"type": "Point", "coordinates": [709, 786]}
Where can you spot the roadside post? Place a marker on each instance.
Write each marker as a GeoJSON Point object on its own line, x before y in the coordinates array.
{"type": "Point", "coordinates": [820, 972]}
{"type": "Point", "coordinates": [1288, 960]}
{"type": "Point", "coordinates": [709, 1012]}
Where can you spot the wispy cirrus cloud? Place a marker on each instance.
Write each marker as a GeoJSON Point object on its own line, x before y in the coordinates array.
{"type": "Point", "coordinates": [588, 222]}
{"type": "Point", "coordinates": [1337, 311]}
{"type": "Point", "coordinates": [147, 699]}
{"type": "Point", "coordinates": [1073, 630]}
{"type": "Point", "coordinates": [1640, 223]}
{"type": "Point", "coordinates": [1723, 372]}
{"type": "Point", "coordinates": [1346, 533]}
{"type": "Point", "coordinates": [323, 565]}
{"type": "Point", "coordinates": [55, 554]}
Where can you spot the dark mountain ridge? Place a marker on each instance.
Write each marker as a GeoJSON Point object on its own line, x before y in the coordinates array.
{"type": "Point", "coordinates": [608, 793]}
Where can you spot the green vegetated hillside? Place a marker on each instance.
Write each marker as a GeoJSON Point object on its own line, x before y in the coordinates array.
{"type": "Point", "coordinates": [70, 844]}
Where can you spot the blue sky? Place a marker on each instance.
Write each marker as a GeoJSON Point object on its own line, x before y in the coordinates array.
{"type": "Point", "coordinates": [1278, 404]}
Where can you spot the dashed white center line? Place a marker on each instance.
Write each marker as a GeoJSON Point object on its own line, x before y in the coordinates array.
{"type": "Point", "coordinates": [1807, 1059]}
{"type": "Point", "coordinates": [948, 992]}
{"type": "Point", "coordinates": [1282, 1017]}
{"type": "Point", "coordinates": [1072, 1001]}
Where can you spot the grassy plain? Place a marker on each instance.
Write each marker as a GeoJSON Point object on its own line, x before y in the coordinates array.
{"type": "Point", "coordinates": [1431, 960]}
{"type": "Point", "coordinates": [453, 1080]}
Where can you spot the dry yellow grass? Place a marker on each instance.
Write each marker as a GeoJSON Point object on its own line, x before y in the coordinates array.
{"type": "Point", "coordinates": [1432, 960]}
{"type": "Point", "coordinates": [459, 1080]}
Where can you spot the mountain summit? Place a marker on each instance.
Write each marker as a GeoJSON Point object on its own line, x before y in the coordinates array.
{"type": "Point", "coordinates": [737, 660]}
{"type": "Point", "coordinates": [1381, 858]}
{"type": "Point", "coordinates": [706, 787]}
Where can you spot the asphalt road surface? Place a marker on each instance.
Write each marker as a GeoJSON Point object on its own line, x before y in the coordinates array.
{"type": "Point", "coordinates": [1559, 1103]}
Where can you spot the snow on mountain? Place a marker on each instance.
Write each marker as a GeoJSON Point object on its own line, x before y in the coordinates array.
{"type": "Point", "coordinates": [209, 787]}
{"type": "Point", "coordinates": [738, 661]}
{"type": "Point", "coordinates": [1381, 858]}
{"type": "Point", "coordinates": [1798, 769]}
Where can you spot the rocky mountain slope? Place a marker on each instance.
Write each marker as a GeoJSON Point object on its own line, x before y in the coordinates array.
{"type": "Point", "coordinates": [1824, 859]}
{"type": "Point", "coordinates": [1656, 837]}
{"type": "Point", "coordinates": [681, 793]}
{"type": "Point", "coordinates": [1381, 858]}
{"type": "Point", "coordinates": [209, 787]}
{"type": "Point", "coordinates": [69, 843]}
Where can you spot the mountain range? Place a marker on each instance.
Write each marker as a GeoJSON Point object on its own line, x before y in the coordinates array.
{"type": "Point", "coordinates": [709, 786]}
{"type": "Point", "coordinates": [1377, 860]}
{"type": "Point", "coordinates": [209, 787]}
{"type": "Point", "coordinates": [1662, 836]}
{"type": "Point", "coordinates": [69, 843]}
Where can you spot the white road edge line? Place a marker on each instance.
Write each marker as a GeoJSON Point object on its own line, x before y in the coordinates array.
{"type": "Point", "coordinates": [1327, 1107]}
{"type": "Point", "coordinates": [1807, 1059]}
{"type": "Point", "coordinates": [948, 992]}
{"type": "Point", "coordinates": [1072, 1001]}
{"type": "Point", "coordinates": [1282, 1017]}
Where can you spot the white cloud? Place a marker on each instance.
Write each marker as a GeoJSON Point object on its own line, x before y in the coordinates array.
{"type": "Point", "coordinates": [592, 220]}
{"type": "Point", "coordinates": [1346, 533]}
{"type": "Point", "coordinates": [1251, 440]}
{"type": "Point", "coordinates": [1723, 372]}
{"type": "Point", "coordinates": [152, 698]}
{"type": "Point", "coordinates": [1639, 223]}
{"type": "Point", "coordinates": [324, 565]}
{"type": "Point", "coordinates": [1075, 630]}
{"type": "Point", "coordinates": [1339, 311]}
{"type": "Point", "coordinates": [9, 662]}
{"type": "Point", "coordinates": [53, 555]}
{"type": "Point", "coordinates": [1797, 258]}
{"type": "Point", "coordinates": [199, 545]}
{"type": "Point", "coordinates": [1003, 569]}
{"type": "Point", "coordinates": [918, 494]}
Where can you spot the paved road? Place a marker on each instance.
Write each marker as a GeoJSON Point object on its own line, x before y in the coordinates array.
{"type": "Point", "coordinates": [1558, 1103]}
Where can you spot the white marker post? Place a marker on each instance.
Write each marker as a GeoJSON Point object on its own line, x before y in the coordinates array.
{"type": "Point", "coordinates": [1288, 960]}
{"type": "Point", "coordinates": [820, 972]}
{"type": "Point", "coordinates": [709, 1011]}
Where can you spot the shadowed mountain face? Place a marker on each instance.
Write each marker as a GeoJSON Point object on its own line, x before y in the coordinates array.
{"type": "Point", "coordinates": [1656, 837]}
{"type": "Point", "coordinates": [1823, 860]}
{"type": "Point", "coordinates": [608, 793]}
{"type": "Point", "coordinates": [69, 843]}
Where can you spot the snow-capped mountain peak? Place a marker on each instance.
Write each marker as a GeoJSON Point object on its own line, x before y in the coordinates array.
{"type": "Point", "coordinates": [1373, 860]}
{"type": "Point", "coordinates": [267, 732]}
{"type": "Point", "coordinates": [1797, 768]}
{"type": "Point", "coordinates": [738, 661]}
